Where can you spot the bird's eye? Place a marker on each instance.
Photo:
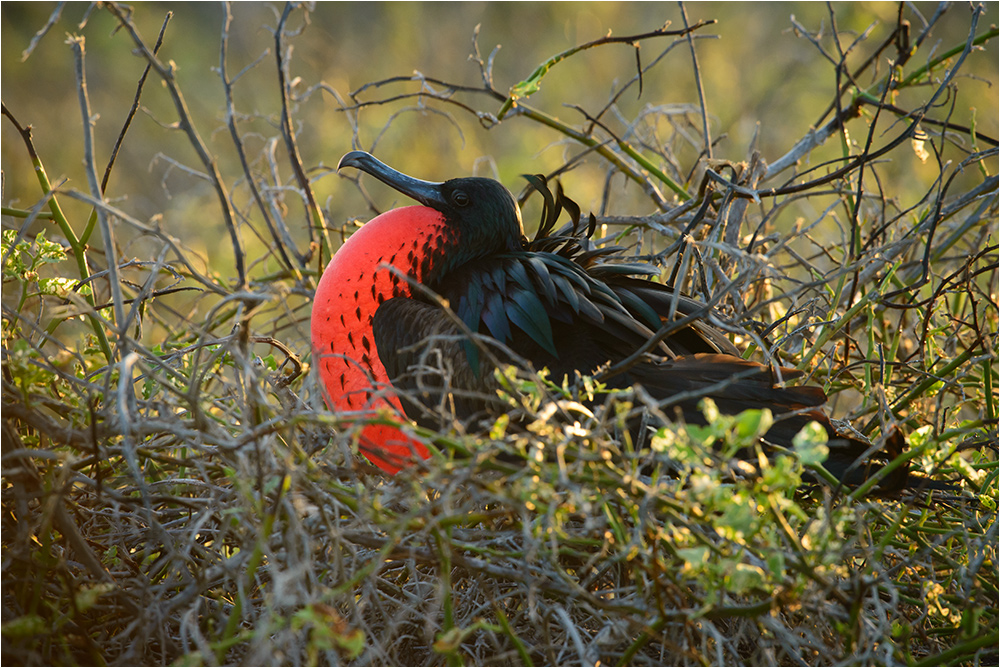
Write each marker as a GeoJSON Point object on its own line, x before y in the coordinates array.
{"type": "Point", "coordinates": [460, 198]}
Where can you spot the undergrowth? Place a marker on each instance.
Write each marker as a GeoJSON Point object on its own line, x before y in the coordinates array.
{"type": "Point", "coordinates": [174, 490]}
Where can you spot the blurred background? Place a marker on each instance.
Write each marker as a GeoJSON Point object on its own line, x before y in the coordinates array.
{"type": "Point", "coordinates": [760, 76]}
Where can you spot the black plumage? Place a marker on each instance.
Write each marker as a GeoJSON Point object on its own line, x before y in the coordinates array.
{"type": "Point", "coordinates": [557, 302]}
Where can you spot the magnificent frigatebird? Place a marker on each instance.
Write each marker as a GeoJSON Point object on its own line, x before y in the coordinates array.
{"type": "Point", "coordinates": [551, 301]}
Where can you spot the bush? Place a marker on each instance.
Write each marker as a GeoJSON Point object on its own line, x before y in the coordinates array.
{"type": "Point", "coordinates": [174, 491]}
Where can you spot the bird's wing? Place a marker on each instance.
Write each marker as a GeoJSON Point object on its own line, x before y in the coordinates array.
{"type": "Point", "coordinates": [556, 312]}
{"type": "Point", "coordinates": [699, 336]}
{"type": "Point", "coordinates": [426, 357]}
{"type": "Point", "coordinates": [547, 308]}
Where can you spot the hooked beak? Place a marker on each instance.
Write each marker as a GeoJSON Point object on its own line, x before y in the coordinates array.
{"type": "Point", "coordinates": [427, 193]}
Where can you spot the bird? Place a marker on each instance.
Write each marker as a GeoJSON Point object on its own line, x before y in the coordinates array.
{"type": "Point", "coordinates": [422, 286]}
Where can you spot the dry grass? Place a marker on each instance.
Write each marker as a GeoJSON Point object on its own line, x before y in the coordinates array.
{"type": "Point", "coordinates": [184, 497]}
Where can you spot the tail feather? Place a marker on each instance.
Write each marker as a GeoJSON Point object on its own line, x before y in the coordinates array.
{"type": "Point", "coordinates": [735, 385]}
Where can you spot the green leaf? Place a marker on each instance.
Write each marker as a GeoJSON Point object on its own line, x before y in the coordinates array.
{"type": "Point", "coordinates": [57, 286]}
{"type": "Point", "coordinates": [776, 563]}
{"type": "Point", "coordinates": [499, 428]}
{"type": "Point", "coordinates": [86, 597]}
{"type": "Point", "coordinates": [270, 362]}
{"type": "Point", "coordinates": [810, 444]}
{"type": "Point", "coordinates": [48, 251]}
{"type": "Point", "coordinates": [753, 423]}
{"type": "Point", "coordinates": [695, 558]}
{"type": "Point", "coordinates": [24, 627]}
{"type": "Point", "coordinates": [744, 578]}
{"type": "Point", "coordinates": [529, 86]}
{"type": "Point", "coordinates": [709, 409]}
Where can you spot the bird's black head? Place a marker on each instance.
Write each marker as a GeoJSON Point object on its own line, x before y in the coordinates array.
{"type": "Point", "coordinates": [483, 212]}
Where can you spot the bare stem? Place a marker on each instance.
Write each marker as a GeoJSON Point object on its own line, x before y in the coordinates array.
{"type": "Point", "coordinates": [187, 125]}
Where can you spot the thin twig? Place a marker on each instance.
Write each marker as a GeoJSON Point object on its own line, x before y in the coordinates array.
{"type": "Point", "coordinates": [227, 86]}
{"type": "Point", "coordinates": [315, 212]}
{"type": "Point", "coordinates": [107, 234]}
{"type": "Point", "coordinates": [135, 106]}
{"type": "Point", "coordinates": [187, 125]}
{"type": "Point", "coordinates": [706, 133]}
